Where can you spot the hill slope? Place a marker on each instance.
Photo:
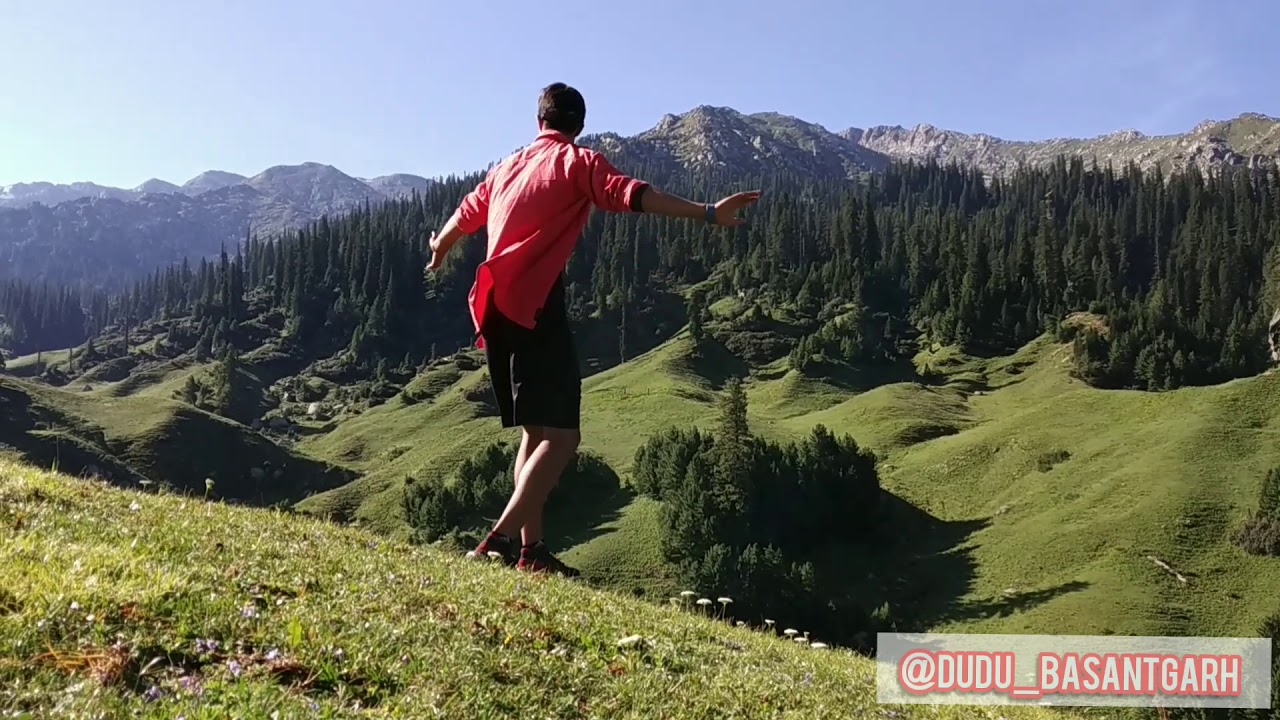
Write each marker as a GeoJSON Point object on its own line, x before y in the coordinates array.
{"type": "Point", "coordinates": [158, 606]}
{"type": "Point", "coordinates": [1046, 496]}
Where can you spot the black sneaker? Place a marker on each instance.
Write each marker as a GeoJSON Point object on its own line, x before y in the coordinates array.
{"type": "Point", "coordinates": [496, 547]}
{"type": "Point", "coordinates": [537, 558]}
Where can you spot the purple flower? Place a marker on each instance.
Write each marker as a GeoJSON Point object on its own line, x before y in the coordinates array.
{"type": "Point", "coordinates": [235, 668]}
{"type": "Point", "coordinates": [273, 654]}
{"type": "Point", "coordinates": [249, 611]}
{"type": "Point", "coordinates": [152, 694]}
{"type": "Point", "coordinates": [191, 684]}
{"type": "Point", "coordinates": [206, 647]}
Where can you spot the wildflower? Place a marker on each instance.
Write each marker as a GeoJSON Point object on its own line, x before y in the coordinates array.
{"type": "Point", "coordinates": [249, 611]}
{"type": "Point", "coordinates": [790, 632]}
{"type": "Point", "coordinates": [89, 618]}
{"type": "Point", "coordinates": [74, 606]}
{"type": "Point", "coordinates": [724, 600]}
{"type": "Point", "coordinates": [206, 647]}
{"type": "Point", "coordinates": [134, 506]}
{"type": "Point", "coordinates": [687, 593]}
{"type": "Point", "coordinates": [704, 602]}
{"type": "Point", "coordinates": [273, 654]}
{"type": "Point", "coordinates": [630, 641]}
{"type": "Point", "coordinates": [191, 684]}
{"type": "Point", "coordinates": [768, 623]}
{"type": "Point", "coordinates": [801, 640]}
{"type": "Point", "coordinates": [152, 694]}
{"type": "Point", "coordinates": [235, 668]}
{"type": "Point", "coordinates": [740, 623]}
{"type": "Point", "coordinates": [818, 646]}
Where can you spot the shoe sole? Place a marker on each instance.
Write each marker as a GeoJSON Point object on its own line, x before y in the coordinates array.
{"type": "Point", "coordinates": [491, 556]}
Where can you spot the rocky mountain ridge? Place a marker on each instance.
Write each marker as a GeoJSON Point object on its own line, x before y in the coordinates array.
{"type": "Point", "coordinates": [325, 181]}
{"type": "Point", "coordinates": [108, 236]}
{"type": "Point", "coordinates": [1251, 139]}
{"type": "Point", "coordinates": [718, 137]}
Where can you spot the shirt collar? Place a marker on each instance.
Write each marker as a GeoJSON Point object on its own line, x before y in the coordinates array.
{"type": "Point", "coordinates": [554, 135]}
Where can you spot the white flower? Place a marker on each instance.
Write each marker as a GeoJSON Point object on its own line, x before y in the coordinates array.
{"type": "Point", "coordinates": [134, 506]}
{"type": "Point", "coordinates": [790, 632]}
{"type": "Point", "coordinates": [819, 646]}
{"type": "Point", "coordinates": [704, 601]}
{"type": "Point", "coordinates": [724, 600]}
{"type": "Point", "coordinates": [687, 593]}
{"type": "Point", "coordinates": [630, 641]}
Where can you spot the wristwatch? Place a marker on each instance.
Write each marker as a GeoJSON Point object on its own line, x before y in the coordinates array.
{"type": "Point", "coordinates": [710, 214]}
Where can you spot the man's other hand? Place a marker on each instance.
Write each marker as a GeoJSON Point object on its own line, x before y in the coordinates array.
{"type": "Point", "coordinates": [437, 256]}
{"type": "Point", "coordinates": [727, 209]}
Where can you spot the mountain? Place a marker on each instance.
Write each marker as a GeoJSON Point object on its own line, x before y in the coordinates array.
{"type": "Point", "coordinates": [156, 185]}
{"type": "Point", "coordinates": [310, 185]}
{"type": "Point", "coordinates": [398, 184]}
{"type": "Point", "coordinates": [717, 137]}
{"type": "Point", "coordinates": [211, 180]}
{"type": "Point", "coordinates": [88, 232]}
{"type": "Point", "coordinates": [107, 236]}
{"type": "Point", "coordinates": [23, 194]}
{"type": "Point", "coordinates": [1250, 139]}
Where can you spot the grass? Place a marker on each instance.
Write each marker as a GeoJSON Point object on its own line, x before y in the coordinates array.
{"type": "Point", "coordinates": [119, 603]}
{"type": "Point", "coordinates": [1032, 503]}
{"type": "Point", "coordinates": [1044, 497]}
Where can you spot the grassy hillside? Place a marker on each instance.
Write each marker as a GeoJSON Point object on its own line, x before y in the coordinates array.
{"type": "Point", "coordinates": [1041, 498]}
{"type": "Point", "coordinates": [152, 438]}
{"type": "Point", "coordinates": [1025, 500]}
{"type": "Point", "coordinates": [120, 603]}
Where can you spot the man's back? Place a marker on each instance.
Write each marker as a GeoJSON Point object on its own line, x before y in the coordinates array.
{"type": "Point", "coordinates": [535, 205]}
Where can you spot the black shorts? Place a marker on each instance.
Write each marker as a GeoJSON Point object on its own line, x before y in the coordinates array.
{"type": "Point", "coordinates": [534, 373]}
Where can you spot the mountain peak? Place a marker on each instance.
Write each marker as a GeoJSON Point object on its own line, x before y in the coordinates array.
{"type": "Point", "coordinates": [211, 180]}
{"type": "Point", "coordinates": [156, 185]}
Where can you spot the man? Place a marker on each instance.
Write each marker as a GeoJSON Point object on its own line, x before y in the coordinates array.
{"type": "Point", "coordinates": [535, 204]}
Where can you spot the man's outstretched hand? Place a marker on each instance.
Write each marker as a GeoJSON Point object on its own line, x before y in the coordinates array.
{"type": "Point", "coordinates": [727, 209]}
{"type": "Point", "coordinates": [437, 254]}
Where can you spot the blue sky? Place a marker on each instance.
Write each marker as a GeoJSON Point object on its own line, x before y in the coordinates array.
{"type": "Point", "coordinates": [117, 93]}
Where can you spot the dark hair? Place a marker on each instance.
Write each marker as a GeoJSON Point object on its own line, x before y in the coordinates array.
{"type": "Point", "coordinates": [562, 108]}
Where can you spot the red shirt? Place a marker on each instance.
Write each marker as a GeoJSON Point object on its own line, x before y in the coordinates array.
{"type": "Point", "coordinates": [536, 204]}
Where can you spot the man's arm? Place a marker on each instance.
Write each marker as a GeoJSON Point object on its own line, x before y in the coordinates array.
{"type": "Point", "coordinates": [612, 191]}
{"type": "Point", "coordinates": [471, 215]}
{"type": "Point", "coordinates": [725, 212]}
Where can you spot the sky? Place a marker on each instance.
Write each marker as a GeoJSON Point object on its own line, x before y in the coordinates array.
{"type": "Point", "coordinates": [117, 93]}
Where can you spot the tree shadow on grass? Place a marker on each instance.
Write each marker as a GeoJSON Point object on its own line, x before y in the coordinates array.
{"type": "Point", "coordinates": [921, 567]}
{"type": "Point", "coordinates": [574, 518]}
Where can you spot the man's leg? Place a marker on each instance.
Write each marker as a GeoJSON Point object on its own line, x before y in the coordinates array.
{"type": "Point", "coordinates": [529, 440]}
{"type": "Point", "coordinates": [500, 346]}
{"type": "Point", "coordinates": [537, 477]}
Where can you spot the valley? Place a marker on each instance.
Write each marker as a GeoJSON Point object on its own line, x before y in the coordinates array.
{"type": "Point", "coordinates": [977, 398]}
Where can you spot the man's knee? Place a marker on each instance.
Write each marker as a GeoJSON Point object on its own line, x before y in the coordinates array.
{"type": "Point", "coordinates": [561, 440]}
